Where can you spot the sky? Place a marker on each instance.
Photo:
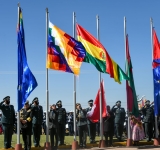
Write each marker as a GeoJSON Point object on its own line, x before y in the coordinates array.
{"type": "Point", "coordinates": [111, 20]}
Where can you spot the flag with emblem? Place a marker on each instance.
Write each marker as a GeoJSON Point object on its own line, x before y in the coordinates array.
{"type": "Point", "coordinates": [64, 52]}
{"type": "Point", "coordinates": [156, 73]}
{"type": "Point", "coordinates": [26, 80]}
{"type": "Point", "coordinates": [97, 55]}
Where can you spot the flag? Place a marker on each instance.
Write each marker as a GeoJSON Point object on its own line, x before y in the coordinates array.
{"type": "Point", "coordinates": [26, 80]}
{"type": "Point", "coordinates": [156, 73]}
{"type": "Point", "coordinates": [132, 104]}
{"type": "Point", "coordinates": [64, 52]}
{"type": "Point", "coordinates": [97, 55]}
{"type": "Point", "coordinates": [94, 114]}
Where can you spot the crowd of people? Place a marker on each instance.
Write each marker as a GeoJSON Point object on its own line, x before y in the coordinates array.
{"type": "Point", "coordinates": [33, 122]}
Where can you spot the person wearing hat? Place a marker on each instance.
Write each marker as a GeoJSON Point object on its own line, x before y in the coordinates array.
{"type": "Point", "coordinates": [8, 120]}
{"type": "Point", "coordinates": [81, 124]}
{"type": "Point", "coordinates": [61, 122]}
{"type": "Point", "coordinates": [53, 121]}
{"type": "Point", "coordinates": [37, 119]}
{"type": "Point", "coordinates": [91, 126]}
{"type": "Point", "coordinates": [148, 119]}
{"type": "Point", "coordinates": [119, 119]}
{"type": "Point", "coordinates": [26, 125]}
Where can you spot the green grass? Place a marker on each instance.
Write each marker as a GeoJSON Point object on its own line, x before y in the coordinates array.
{"type": "Point", "coordinates": [68, 140]}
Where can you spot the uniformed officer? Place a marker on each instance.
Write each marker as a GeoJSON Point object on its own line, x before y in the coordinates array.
{"type": "Point", "coordinates": [91, 126]}
{"type": "Point", "coordinates": [148, 120]}
{"type": "Point", "coordinates": [81, 124]}
{"type": "Point", "coordinates": [37, 119]}
{"type": "Point", "coordinates": [119, 119]}
{"type": "Point", "coordinates": [8, 120]}
{"type": "Point", "coordinates": [61, 122]}
{"type": "Point", "coordinates": [26, 125]}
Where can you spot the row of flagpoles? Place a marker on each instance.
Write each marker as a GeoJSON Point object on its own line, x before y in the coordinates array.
{"type": "Point", "coordinates": [27, 82]}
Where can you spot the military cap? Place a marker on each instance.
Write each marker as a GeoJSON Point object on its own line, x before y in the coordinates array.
{"type": "Point", "coordinates": [59, 102]}
{"type": "Point", "coordinates": [90, 101]}
{"type": "Point", "coordinates": [147, 101]}
{"type": "Point", "coordinates": [78, 104]}
{"type": "Point", "coordinates": [35, 100]}
{"type": "Point", "coordinates": [6, 98]}
{"type": "Point", "coordinates": [27, 102]}
{"type": "Point", "coordinates": [118, 101]}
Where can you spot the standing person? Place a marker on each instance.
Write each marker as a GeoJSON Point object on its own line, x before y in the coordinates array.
{"type": "Point", "coordinates": [70, 123]}
{"type": "Point", "coordinates": [26, 125]}
{"type": "Point", "coordinates": [90, 124]}
{"type": "Point", "coordinates": [53, 122]}
{"type": "Point", "coordinates": [119, 119]}
{"type": "Point", "coordinates": [37, 119]}
{"type": "Point", "coordinates": [81, 124]}
{"type": "Point", "coordinates": [8, 120]}
{"type": "Point", "coordinates": [148, 120]}
{"type": "Point", "coordinates": [108, 125]}
{"type": "Point", "coordinates": [61, 122]}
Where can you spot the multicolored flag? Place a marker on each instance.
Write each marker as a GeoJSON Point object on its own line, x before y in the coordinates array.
{"type": "Point", "coordinates": [64, 52]}
{"type": "Point", "coordinates": [26, 80]}
{"type": "Point", "coordinates": [132, 104]}
{"type": "Point", "coordinates": [156, 73]}
{"type": "Point", "coordinates": [97, 55]}
{"type": "Point", "coordinates": [94, 114]}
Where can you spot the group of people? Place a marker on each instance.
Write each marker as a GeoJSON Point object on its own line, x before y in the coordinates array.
{"type": "Point", "coordinates": [31, 120]}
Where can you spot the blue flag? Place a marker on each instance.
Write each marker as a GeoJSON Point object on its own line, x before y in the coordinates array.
{"type": "Point", "coordinates": [26, 80]}
{"type": "Point", "coordinates": [156, 73]}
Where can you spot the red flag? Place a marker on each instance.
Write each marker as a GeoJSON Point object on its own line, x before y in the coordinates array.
{"type": "Point", "coordinates": [94, 114]}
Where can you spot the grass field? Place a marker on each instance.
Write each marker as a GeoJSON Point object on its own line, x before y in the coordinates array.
{"type": "Point", "coordinates": [68, 140]}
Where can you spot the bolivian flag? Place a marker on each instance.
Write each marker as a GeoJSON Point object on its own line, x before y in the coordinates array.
{"type": "Point", "coordinates": [97, 55]}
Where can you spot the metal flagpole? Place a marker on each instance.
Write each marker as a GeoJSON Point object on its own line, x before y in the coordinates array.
{"type": "Point", "coordinates": [18, 113]}
{"type": "Point", "coordinates": [100, 96]}
{"type": "Point", "coordinates": [47, 144]}
{"type": "Point", "coordinates": [74, 84]}
{"type": "Point", "coordinates": [156, 124]}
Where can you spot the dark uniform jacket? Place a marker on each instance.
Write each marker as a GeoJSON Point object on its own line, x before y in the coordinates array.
{"type": "Point", "coordinates": [108, 122]}
{"type": "Point", "coordinates": [8, 114]}
{"type": "Point", "coordinates": [148, 114]}
{"type": "Point", "coordinates": [61, 115]}
{"type": "Point", "coordinates": [37, 114]}
{"type": "Point", "coordinates": [119, 115]}
{"type": "Point", "coordinates": [25, 114]}
{"type": "Point", "coordinates": [53, 119]}
{"type": "Point", "coordinates": [87, 110]}
{"type": "Point", "coordinates": [81, 117]}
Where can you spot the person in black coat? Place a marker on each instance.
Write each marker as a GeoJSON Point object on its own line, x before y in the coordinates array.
{"type": "Point", "coordinates": [53, 122]}
{"type": "Point", "coordinates": [108, 124]}
{"type": "Point", "coordinates": [26, 125]}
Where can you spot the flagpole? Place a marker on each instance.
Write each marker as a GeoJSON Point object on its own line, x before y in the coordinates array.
{"type": "Point", "coordinates": [18, 146]}
{"type": "Point", "coordinates": [75, 143]}
{"type": "Point", "coordinates": [129, 138]}
{"type": "Point", "coordinates": [102, 142]}
{"type": "Point", "coordinates": [156, 139]}
{"type": "Point", "coordinates": [47, 144]}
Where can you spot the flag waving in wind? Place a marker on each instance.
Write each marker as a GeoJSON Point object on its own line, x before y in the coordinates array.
{"type": "Point", "coordinates": [26, 80]}
{"type": "Point", "coordinates": [97, 55]}
{"type": "Point", "coordinates": [156, 73]}
{"type": "Point", "coordinates": [94, 114]}
{"type": "Point", "coordinates": [64, 52]}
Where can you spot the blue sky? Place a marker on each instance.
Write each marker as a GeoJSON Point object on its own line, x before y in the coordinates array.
{"type": "Point", "coordinates": [111, 15]}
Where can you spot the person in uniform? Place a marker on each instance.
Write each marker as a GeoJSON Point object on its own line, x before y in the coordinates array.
{"type": "Point", "coordinates": [108, 124]}
{"type": "Point", "coordinates": [53, 121]}
{"type": "Point", "coordinates": [119, 119]}
{"type": "Point", "coordinates": [8, 120]}
{"type": "Point", "coordinates": [61, 122]}
{"type": "Point", "coordinates": [91, 126]}
{"type": "Point", "coordinates": [26, 125]}
{"type": "Point", "coordinates": [37, 119]}
{"type": "Point", "coordinates": [148, 119]}
{"type": "Point", "coordinates": [81, 124]}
